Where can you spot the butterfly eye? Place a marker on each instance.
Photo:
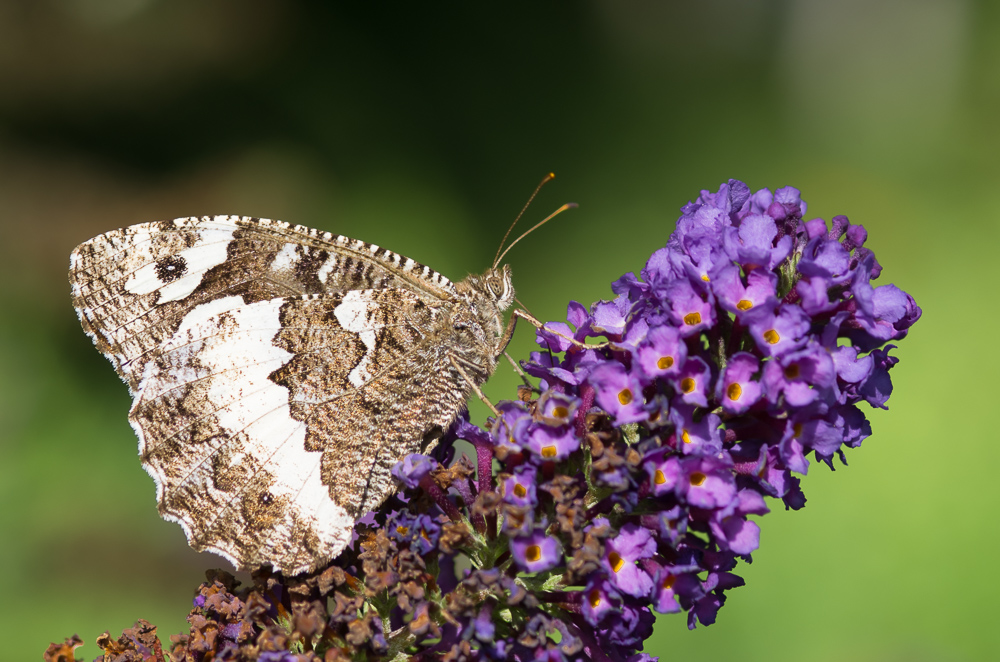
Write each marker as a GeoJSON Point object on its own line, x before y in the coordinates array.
{"type": "Point", "coordinates": [495, 286]}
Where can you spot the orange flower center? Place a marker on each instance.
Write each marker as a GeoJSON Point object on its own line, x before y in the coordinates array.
{"type": "Point", "coordinates": [744, 304]}
{"type": "Point", "coordinates": [519, 491]}
{"type": "Point", "coordinates": [595, 599]}
{"type": "Point", "coordinates": [685, 437]}
{"type": "Point", "coordinates": [616, 561]}
{"type": "Point", "coordinates": [692, 318]}
{"type": "Point", "coordinates": [772, 337]}
{"type": "Point", "coordinates": [734, 391]}
{"type": "Point", "coordinates": [560, 411]}
{"type": "Point", "coordinates": [533, 553]}
{"type": "Point", "coordinates": [792, 371]}
{"type": "Point", "coordinates": [698, 479]}
{"type": "Point", "coordinates": [625, 396]}
{"type": "Point", "coordinates": [402, 530]}
{"type": "Point", "coordinates": [665, 362]}
{"type": "Point", "coordinates": [549, 452]}
{"type": "Point", "coordinates": [659, 478]}
{"type": "Point", "coordinates": [668, 583]}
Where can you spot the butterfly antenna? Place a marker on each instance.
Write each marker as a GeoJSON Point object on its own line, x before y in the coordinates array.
{"type": "Point", "coordinates": [545, 180]}
{"type": "Point", "coordinates": [568, 205]}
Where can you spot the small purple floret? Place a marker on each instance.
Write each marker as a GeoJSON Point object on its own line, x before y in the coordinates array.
{"type": "Point", "coordinates": [536, 552]}
{"type": "Point", "coordinates": [412, 468]}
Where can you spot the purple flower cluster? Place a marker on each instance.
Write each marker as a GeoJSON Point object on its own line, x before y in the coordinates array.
{"type": "Point", "coordinates": [746, 345]}
{"type": "Point", "coordinates": [625, 479]}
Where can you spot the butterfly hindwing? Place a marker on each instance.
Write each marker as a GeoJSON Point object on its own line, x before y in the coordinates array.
{"type": "Point", "coordinates": [279, 420]}
{"type": "Point", "coordinates": [229, 462]}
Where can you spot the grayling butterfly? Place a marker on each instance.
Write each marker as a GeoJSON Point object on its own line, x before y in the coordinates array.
{"type": "Point", "coordinates": [279, 372]}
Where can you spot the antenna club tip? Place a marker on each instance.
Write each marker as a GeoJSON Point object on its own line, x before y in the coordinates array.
{"type": "Point", "coordinates": [552, 175]}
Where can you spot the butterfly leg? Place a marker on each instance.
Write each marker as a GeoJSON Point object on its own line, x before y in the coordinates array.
{"type": "Point", "coordinates": [519, 371]}
{"type": "Point", "coordinates": [474, 385]}
{"type": "Point", "coordinates": [508, 333]}
{"type": "Point", "coordinates": [520, 312]}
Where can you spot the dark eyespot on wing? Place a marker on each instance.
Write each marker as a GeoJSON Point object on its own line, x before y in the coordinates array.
{"type": "Point", "coordinates": [171, 268]}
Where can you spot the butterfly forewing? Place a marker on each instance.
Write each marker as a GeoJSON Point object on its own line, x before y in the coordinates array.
{"type": "Point", "coordinates": [133, 287]}
{"type": "Point", "coordinates": [278, 373]}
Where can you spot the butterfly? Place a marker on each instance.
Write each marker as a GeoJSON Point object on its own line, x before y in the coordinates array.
{"type": "Point", "coordinates": [278, 372]}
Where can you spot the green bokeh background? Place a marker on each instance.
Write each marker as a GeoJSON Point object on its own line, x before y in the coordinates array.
{"type": "Point", "coordinates": [423, 127]}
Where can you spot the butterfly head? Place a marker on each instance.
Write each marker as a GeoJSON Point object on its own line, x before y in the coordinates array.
{"type": "Point", "coordinates": [498, 285]}
{"type": "Point", "coordinates": [486, 297]}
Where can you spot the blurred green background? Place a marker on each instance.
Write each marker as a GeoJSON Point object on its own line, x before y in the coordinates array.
{"type": "Point", "coordinates": [424, 127]}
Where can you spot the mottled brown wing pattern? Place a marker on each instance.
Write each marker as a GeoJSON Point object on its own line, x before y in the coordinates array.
{"type": "Point", "coordinates": [367, 407]}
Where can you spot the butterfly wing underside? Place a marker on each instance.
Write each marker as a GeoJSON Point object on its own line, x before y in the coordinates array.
{"type": "Point", "coordinates": [277, 374]}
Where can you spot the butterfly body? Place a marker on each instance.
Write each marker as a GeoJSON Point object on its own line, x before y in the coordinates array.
{"type": "Point", "coordinates": [279, 372]}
